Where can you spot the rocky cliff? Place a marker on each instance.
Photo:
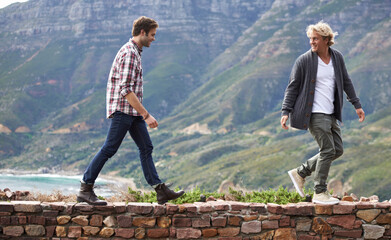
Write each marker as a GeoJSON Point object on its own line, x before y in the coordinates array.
{"type": "Point", "coordinates": [217, 67]}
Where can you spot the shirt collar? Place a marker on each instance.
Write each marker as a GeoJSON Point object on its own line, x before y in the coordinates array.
{"type": "Point", "coordinates": [138, 48]}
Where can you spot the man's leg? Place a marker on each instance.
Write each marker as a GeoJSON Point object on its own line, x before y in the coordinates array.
{"type": "Point", "coordinates": [117, 131]}
{"type": "Point", "coordinates": [327, 133]}
{"type": "Point", "coordinates": [321, 130]}
{"type": "Point", "coordinates": [120, 124]}
{"type": "Point", "coordinates": [140, 135]}
{"type": "Point", "coordinates": [337, 137]}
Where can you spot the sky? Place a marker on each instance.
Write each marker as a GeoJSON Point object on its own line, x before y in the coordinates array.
{"type": "Point", "coordinates": [4, 3]}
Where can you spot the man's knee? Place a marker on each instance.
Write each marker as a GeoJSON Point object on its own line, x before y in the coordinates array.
{"type": "Point", "coordinates": [146, 149]}
{"type": "Point", "coordinates": [108, 152]}
{"type": "Point", "coordinates": [338, 153]}
{"type": "Point", "coordinates": [328, 153]}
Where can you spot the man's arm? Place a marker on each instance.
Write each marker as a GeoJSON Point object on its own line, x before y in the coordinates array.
{"type": "Point", "coordinates": [291, 93]}
{"type": "Point", "coordinates": [128, 72]}
{"type": "Point", "coordinates": [135, 103]}
{"type": "Point", "coordinates": [351, 93]}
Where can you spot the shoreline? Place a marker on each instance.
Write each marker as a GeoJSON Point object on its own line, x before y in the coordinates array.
{"type": "Point", "coordinates": [118, 182]}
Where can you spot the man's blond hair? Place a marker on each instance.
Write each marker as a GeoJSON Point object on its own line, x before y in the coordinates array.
{"type": "Point", "coordinates": [324, 30]}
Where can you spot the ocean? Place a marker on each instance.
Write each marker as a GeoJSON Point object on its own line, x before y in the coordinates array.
{"type": "Point", "coordinates": [49, 183]}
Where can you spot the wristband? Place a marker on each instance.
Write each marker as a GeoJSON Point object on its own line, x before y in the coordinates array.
{"type": "Point", "coordinates": [146, 116]}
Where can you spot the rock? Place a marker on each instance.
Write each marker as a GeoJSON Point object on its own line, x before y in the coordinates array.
{"type": "Point", "coordinates": [163, 222]}
{"type": "Point", "coordinates": [285, 234]}
{"type": "Point", "coordinates": [81, 220]}
{"type": "Point", "coordinates": [14, 231]}
{"type": "Point", "coordinates": [110, 221]}
{"type": "Point", "coordinates": [320, 226]}
{"type": "Point", "coordinates": [96, 220]}
{"type": "Point", "coordinates": [197, 128]}
{"type": "Point", "coordinates": [27, 206]}
{"type": "Point", "coordinates": [143, 221]}
{"type": "Point", "coordinates": [4, 129]}
{"type": "Point", "coordinates": [345, 221]}
{"type": "Point", "coordinates": [368, 215]}
{"type": "Point", "coordinates": [364, 199]}
{"type": "Point", "coordinates": [106, 232]}
{"type": "Point", "coordinates": [303, 225]}
{"type": "Point", "coordinates": [188, 233]}
{"type": "Point", "coordinates": [61, 231]}
{"type": "Point", "coordinates": [35, 230]}
{"type": "Point", "coordinates": [63, 219]}
{"type": "Point", "coordinates": [124, 221]}
{"type": "Point", "coordinates": [384, 218]}
{"type": "Point", "coordinates": [124, 232]}
{"type": "Point", "coordinates": [90, 231]}
{"type": "Point", "coordinates": [210, 198]}
{"type": "Point", "coordinates": [209, 232]}
{"type": "Point", "coordinates": [139, 233]}
{"type": "Point", "coordinates": [228, 232]}
{"type": "Point", "coordinates": [251, 227]}
{"type": "Point", "coordinates": [373, 231]}
{"type": "Point", "coordinates": [347, 198]}
{"type": "Point", "coordinates": [22, 129]}
{"type": "Point", "coordinates": [158, 233]}
{"type": "Point", "coordinates": [374, 198]}
{"type": "Point", "coordinates": [74, 232]}
{"type": "Point", "coordinates": [202, 198]}
{"type": "Point", "coordinates": [355, 198]}
{"type": "Point", "coordinates": [8, 193]}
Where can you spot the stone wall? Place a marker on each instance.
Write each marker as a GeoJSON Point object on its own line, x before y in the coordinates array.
{"type": "Point", "coordinates": [216, 219]}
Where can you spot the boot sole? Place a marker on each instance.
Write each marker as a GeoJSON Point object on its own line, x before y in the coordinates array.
{"type": "Point", "coordinates": [91, 203]}
{"type": "Point", "coordinates": [325, 203]}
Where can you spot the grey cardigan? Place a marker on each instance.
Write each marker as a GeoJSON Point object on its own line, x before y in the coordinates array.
{"type": "Point", "coordinates": [299, 95]}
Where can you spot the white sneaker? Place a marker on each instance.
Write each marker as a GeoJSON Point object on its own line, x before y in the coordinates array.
{"type": "Point", "coordinates": [298, 181]}
{"type": "Point", "coordinates": [324, 198]}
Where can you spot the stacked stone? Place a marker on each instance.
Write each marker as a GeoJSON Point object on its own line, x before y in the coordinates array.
{"type": "Point", "coordinates": [215, 219]}
{"type": "Point", "coordinates": [8, 195]}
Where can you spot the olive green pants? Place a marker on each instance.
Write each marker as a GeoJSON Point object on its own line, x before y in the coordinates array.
{"type": "Point", "coordinates": [327, 133]}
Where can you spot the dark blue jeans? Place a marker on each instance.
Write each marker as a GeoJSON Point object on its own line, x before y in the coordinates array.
{"type": "Point", "coordinates": [120, 124]}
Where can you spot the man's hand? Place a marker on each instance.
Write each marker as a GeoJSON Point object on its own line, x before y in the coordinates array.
{"type": "Point", "coordinates": [360, 114]}
{"type": "Point", "coordinates": [284, 119]}
{"type": "Point", "coordinates": [151, 121]}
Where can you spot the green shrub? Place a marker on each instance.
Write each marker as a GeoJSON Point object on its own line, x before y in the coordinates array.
{"type": "Point", "coordinates": [279, 196]}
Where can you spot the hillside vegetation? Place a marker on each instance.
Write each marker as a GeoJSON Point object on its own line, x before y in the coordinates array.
{"type": "Point", "coordinates": [215, 79]}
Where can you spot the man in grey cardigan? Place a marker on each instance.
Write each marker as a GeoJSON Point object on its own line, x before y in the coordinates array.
{"type": "Point", "coordinates": [313, 100]}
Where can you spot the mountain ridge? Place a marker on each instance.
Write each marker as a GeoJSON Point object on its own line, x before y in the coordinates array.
{"type": "Point", "coordinates": [215, 80]}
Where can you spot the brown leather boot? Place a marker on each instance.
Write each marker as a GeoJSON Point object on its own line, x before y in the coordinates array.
{"type": "Point", "coordinates": [164, 194]}
{"type": "Point", "coordinates": [86, 194]}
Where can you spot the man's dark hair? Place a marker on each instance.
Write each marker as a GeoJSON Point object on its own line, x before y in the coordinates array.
{"type": "Point", "coordinates": [143, 23]}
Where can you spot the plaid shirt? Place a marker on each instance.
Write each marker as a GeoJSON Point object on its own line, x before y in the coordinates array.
{"type": "Point", "coordinates": [126, 75]}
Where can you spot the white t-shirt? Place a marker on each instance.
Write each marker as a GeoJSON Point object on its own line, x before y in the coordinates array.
{"type": "Point", "coordinates": [324, 88]}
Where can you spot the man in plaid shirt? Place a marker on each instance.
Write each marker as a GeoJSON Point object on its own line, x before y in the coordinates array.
{"type": "Point", "coordinates": [124, 108]}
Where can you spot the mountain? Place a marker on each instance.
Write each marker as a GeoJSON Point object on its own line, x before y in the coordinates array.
{"type": "Point", "coordinates": [215, 78]}
{"type": "Point", "coordinates": [62, 50]}
{"type": "Point", "coordinates": [255, 69]}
